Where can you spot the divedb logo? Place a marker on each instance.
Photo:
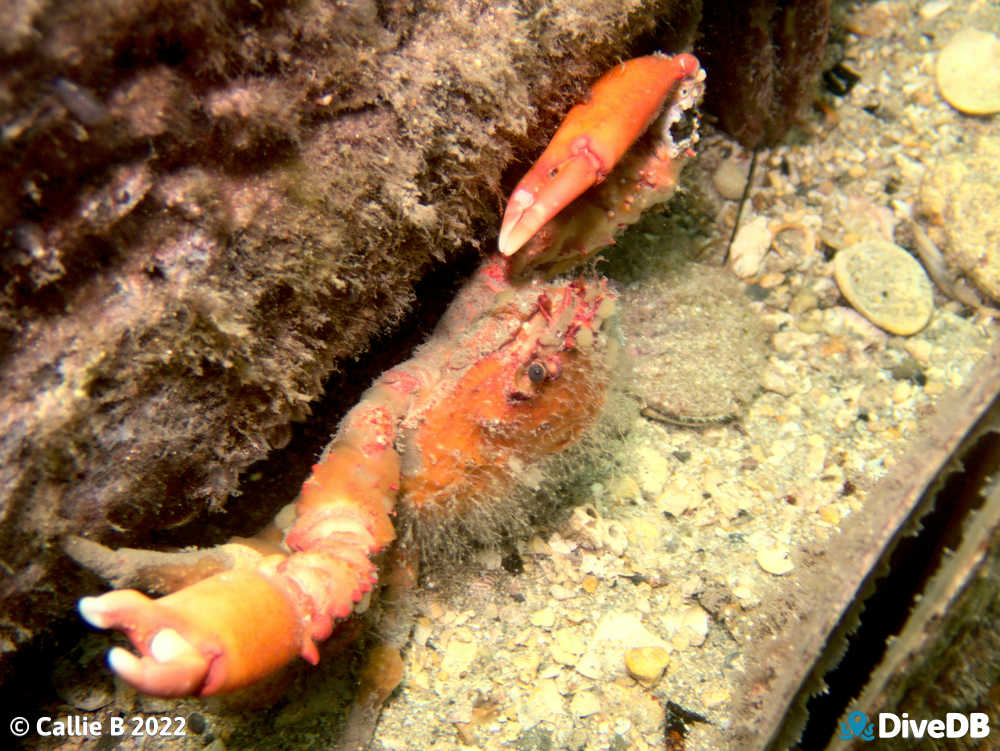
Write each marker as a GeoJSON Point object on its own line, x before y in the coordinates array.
{"type": "Point", "coordinates": [954, 725]}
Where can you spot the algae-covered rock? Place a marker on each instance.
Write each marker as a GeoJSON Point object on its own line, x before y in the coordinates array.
{"type": "Point", "coordinates": [209, 207]}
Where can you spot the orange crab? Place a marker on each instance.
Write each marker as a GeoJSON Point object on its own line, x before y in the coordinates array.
{"type": "Point", "coordinates": [517, 369]}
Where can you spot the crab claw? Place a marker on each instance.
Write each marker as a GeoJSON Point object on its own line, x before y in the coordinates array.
{"type": "Point", "coordinates": [216, 636]}
{"type": "Point", "coordinates": [591, 140]}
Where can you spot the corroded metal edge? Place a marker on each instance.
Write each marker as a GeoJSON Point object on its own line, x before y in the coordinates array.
{"type": "Point", "coordinates": [821, 606]}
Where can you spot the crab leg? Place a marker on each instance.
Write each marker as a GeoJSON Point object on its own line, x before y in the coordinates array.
{"type": "Point", "coordinates": [591, 140]}
{"type": "Point", "coordinates": [234, 628]}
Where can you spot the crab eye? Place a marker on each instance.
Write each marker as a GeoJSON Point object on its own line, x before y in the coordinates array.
{"type": "Point", "coordinates": [537, 372]}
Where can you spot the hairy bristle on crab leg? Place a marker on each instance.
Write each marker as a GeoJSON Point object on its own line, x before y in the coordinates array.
{"type": "Point", "coordinates": [234, 628]}
{"type": "Point", "coordinates": [591, 140]}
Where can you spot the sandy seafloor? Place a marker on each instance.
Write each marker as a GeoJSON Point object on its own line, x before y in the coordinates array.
{"type": "Point", "coordinates": [703, 509]}
{"type": "Point", "coordinates": [687, 519]}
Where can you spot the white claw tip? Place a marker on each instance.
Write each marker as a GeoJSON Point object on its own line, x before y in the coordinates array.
{"type": "Point", "coordinates": [93, 612]}
{"type": "Point", "coordinates": [519, 201]}
{"type": "Point", "coordinates": [124, 663]}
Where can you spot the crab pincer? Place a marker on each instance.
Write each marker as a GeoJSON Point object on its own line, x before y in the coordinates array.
{"type": "Point", "coordinates": [204, 639]}
{"type": "Point", "coordinates": [652, 93]}
{"type": "Point", "coordinates": [232, 629]}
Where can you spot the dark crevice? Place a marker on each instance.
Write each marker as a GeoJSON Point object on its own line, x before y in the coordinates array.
{"type": "Point", "coordinates": [271, 483]}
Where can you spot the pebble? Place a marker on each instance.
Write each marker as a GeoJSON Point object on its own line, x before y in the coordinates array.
{"type": "Point", "coordinates": [886, 285]}
{"type": "Point", "coordinates": [919, 349]}
{"type": "Point", "coordinates": [714, 696]}
{"type": "Point", "coordinates": [693, 626]}
{"type": "Point", "coordinates": [615, 538]}
{"type": "Point", "coordinates": [567, 646]}
{"type": "Point", "coordinates": [968, 72]}
{"type": "Point", "coordinates": [646, 664]}
{"type": "Point", "coordinates": [775, 381]}
{"type": "Point", "coordinates": [544, 703]}
{"type": "Point", "coordinates": [872, 20]}
{"type": "Point", "coordinates": [586, 526]}
{"type": "Point", "coordinates": [544, 618]}
{"type": "Point", "coordinates": [804, 301]}
{"type": "Point", "coordinates": [584, 704]}
{"type": "Point", "coordinates": [933, 9]}
{"type": "Point", "coordinates": [752, 241]}
{"type": "Point", "coordinates": [962, 195]}
{"type": "Point", "coordinates": [675, 500]}
{"type": "Point", "coordinates": [731, 177]}
{"type": "Point", "coordinates": [559, 592]}
{"type": "Point", "coordinates": [775, 561]}
{"type": "Point", "coordinates": [458, 656]}
{"type": "Point", "coordinates": [653, 471]}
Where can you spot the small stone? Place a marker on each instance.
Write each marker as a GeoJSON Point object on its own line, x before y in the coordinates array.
{"type": "Point", "coordinates": [458, 656]}
{"type": "Point", "coordinates": [589, 584]}
{"type": "Point", "coordinates": [646, 664]}
{"type": "Point", "coordinates": [933, 9]}
{"type": "Point", "coordinates": [544, 703]}
{"type": "Point", "coordinates": [587, 527]}
{"type": "Point", "coordinates": [831, 515]}
{"type": "Point", "coordinates": [584, 704]}
{"type": "Point", "coordinates": [968, 72]}
{"type": "Point", "coordinates": [803, 301]}
{"type": "Point", "coordinates": [422, 630]}
{"type": "Point", "coordinates": [538, 546]}
{"type": "Point", "coordinates": [919, 349]}
{"type": "Point", "coordinates": [731, 177]}
{"type": "Point", "coordinates": [752, 241]}
{"type": "Point", "coordinates": [772, 281]}
{"type": "Point", "coordinates": [615, 538]}
{"type": "Point", "coordinates": [902, 391]}
{"type": "Point", "coordinates": [653, 471]}
{"type": "Point", "coordinates": [872, 20]}
{"type": "Point", "coordinates": [934, 388]}
{"type": "Point", "coordinates": [961, 194]}
{"type": "Point", "coordinates": [775, 561]}
{"type": "Point", "coordinates": [590, 666]}
{"type": "Point", "coordinates": [626, 490]}
{"type": "Point", "coordinates": [688, 626]}
{"type": "Point", "coordinates": [675, 500]}
{"type": "Point", "coordinates": [544, 618]}
{"type": "Point", "coordinates": [466, 733]}
{"type": "Point", "coordinates": [713, 696]}
{"type": "Point", "coordinates": [775, 381]}
{"type": "Point", "coordinates": [559, 592]}
{"type": "Point", "coordinates": [567, 646]}
{"type": "Point", "coordinates": [886, 285]}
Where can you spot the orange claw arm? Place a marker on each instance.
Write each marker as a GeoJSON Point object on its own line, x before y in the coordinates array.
{"type": "Point", "coordinates": [591, 140]}
{"type": "Point", "coordinates": [232, 629]}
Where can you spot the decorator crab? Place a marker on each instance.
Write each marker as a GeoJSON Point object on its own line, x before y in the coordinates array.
{"type": "Point", "coordinates": [516, 370]}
